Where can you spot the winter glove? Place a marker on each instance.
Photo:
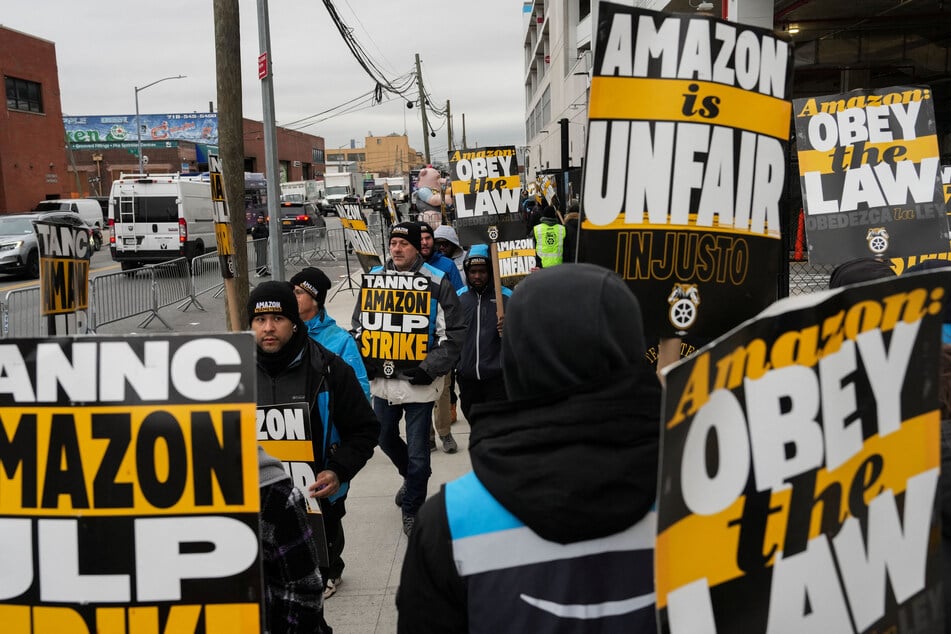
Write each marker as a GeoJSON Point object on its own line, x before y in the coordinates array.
{"type": "Point", "coordinates": [419, 376]}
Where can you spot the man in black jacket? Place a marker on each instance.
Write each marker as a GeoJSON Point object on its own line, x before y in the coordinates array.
{"type": "Point", "coordinates": [301, 376]}
{"type": "Point", "coordinates": [553, 529]}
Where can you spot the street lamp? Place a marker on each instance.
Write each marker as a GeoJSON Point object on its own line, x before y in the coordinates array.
{"type": "Point", "coordinates": [138, 127]}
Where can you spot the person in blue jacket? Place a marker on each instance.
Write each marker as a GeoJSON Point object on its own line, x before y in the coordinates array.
{"type": "Point", "coordinates": [310, 287]}
{"type": "Point", "coordinates": [479, 371]}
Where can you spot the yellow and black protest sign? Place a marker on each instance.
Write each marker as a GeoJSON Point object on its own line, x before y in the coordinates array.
{"type": "Point", "coordinates": [358, 236]}
{"type": "Point", "coordinates": [486, 186]}
{"type": "Point", "coordinates": [64, 275]}
{"type": "Point", "coordinates": [869, 167]}
{"type": "Point", "coordinates": [129, 486]}
{"type": "Point", "coordinates": [800, 466]}
{"type": "Point", "coordinates": [223, 235]}
{"type": "Point", "coordinates": [516, 258]}
{"type": "Point", "coordinates": [685, 165]}
{"type": "Point", "coordinates": [395, 315]}
{"type": "Point", "coordinates": [900, 265]}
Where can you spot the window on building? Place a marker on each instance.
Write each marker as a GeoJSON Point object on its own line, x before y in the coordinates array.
{"type": "Point", "coordinates": [317, 155]}
{"type": "Point", "coordinates": [23, 95]}
{"type": "Point", "coordinates": [584, 8]}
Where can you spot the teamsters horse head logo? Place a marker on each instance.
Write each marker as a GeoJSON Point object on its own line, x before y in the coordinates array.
{"type": "Point", "coordinates": [684, 300]}
{"type": "Point", "coordinates": [877, 238]}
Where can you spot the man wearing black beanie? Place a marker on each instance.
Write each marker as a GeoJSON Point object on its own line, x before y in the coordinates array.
{"type": "Point", "coordinates": [294, 369]}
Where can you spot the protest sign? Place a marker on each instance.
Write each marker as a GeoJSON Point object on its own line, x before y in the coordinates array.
{"type": "Point", "coordinates": [800, 466]}
{"type": "Point", "coordinates": [223, 239]}
{"type": "Point", "coordinates": [358, 236]}
{"type": "Point", "coordinates": [485, 187]}
{"type": "Point", "coordinates": [902, 264]}
{"type": "Point", "coordinates": [685, 165]}
{"type": "Point", "coordinates": [129, 485]}
{"type": "Point", "coordinates": [869, 163]}
{"type": "Point", "coordinates": [394, 315]}
{"type": "Point", "coordinates": [64, 275]}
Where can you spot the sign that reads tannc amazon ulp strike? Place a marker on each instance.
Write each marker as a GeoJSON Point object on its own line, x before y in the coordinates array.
{"type": "Point", "coordinates": [869, 166]}
{"type": "Point", "coordinates": [485, 188]}
{"type": "Point", "coordinates": [799, 469]}
{"type": "Point", "coordinates": [129, 486]}
{"type": "Point", "coordinates": [685, 165]}
{"type": "Point", "coordinates": [394, 315]}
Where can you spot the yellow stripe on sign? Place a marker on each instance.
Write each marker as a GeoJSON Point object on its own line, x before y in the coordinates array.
{"type": "Point", "coordinates": [517, 253]}
{"type": "Point", "coordinates": [639, 99]}
{"type": "Point", "coordinates": [64, 285]}
{"type": "Point", "coordinates": [620, 225]}
{"type": "Point", "coordinates": [502, 182]}
{"type": "Point", "coordinates": [356, 225]}
{"type": "Point", "coordinates": [915, 150]}
{"type": "Point", "coordinates": [289, 450]}
{"type": "Point", "coordinates": [705, 546]}
{"type": "Point", "coordinates": [223, 238]}
{"type": "Point", "coordinates": [104, 477]}
{"type": "Point", "coordinates": [232, 618]}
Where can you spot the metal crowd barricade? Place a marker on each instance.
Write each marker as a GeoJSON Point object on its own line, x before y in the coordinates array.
{"type": "Point", "coordinates": [293, 247]}
{"type": "Point", "coordinates": [336, 242]}
{"type": "Point", "coordinates": [171, 284]}
{"type": "Point", "coordinates": [206, 277]}
{"type": "Point", "coordinates": [315, 246]}
{"type": "Point", "coordinates": [120, 295]}
{"type": "Point", "coordinates": [20, 313]}
{"type": "Point", "coordinates": [254, 264]}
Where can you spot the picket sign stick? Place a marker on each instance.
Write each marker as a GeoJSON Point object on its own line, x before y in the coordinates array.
{"type": "Point", "coordinates": [497, 281]}
{"type": "Point", "coordinates": [668, 351]}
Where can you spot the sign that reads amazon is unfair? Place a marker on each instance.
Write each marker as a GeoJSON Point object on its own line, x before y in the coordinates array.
{"type": "Point", "coordinates": [129, 485]}
{"type": "Point", "coordinates": [869, 166]}
{"type": "Point", "coordinates": [799, 469]}
{"type": "Point", "coordinates": [485, 189]}
{"type": "Point", "coordinates": [685, 165]}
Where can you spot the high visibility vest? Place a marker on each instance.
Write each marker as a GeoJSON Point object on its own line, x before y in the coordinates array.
{"type": "Point", "coordinates": [549, 243]}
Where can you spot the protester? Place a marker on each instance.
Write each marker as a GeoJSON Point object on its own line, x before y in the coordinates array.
{"type": "Point", "coordinates": [259, 234]}
{"type": "Point", "coordinates": [479, 370]}
{"type": "Point", "coordinates": [572, 218]}
{"type": "Point", "coordinates": [443, 413]}
{"type": "Point", "coordinates": [310, 287]}
{"type": "Point", "coordinates": [860, 270]}
{"type": "Point", "coordinates": [554, 523]}
{"type": "Point", "coordinates": [549, 239]}
{"type": "Point", "coordinates": [447, 243]}
{"type": "Point", "coordinates": [292, 581]}
{"type": "Point", "coordinates": [413, 393]}
{"type": "Point", "coordinates": [293, 368]}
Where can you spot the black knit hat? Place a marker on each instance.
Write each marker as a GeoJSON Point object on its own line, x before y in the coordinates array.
{"type": "Point", "coordinates": [273, 298]}
{"type": "Point", "coordinates": [315, 282]}
{"type": "Point", "coordinates": [410, 232]}
{"type": "Point", "coordinates": [425, 227]}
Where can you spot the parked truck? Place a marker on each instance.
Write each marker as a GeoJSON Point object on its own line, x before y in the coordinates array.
{"type": "Point", "coordinates": [309, 191]}
{"type": "Point", "coordinates": [340, 187]}
{"type": "Point", "coordinates": [399, 187]}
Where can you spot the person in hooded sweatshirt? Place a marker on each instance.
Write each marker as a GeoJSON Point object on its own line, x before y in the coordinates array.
{"type": "Point", "coordinates": [310, 287]}
{"type": "Point", "coordinates": [553, 529]}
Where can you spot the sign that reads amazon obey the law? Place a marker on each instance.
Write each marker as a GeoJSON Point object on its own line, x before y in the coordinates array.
{"type": "Point", "coordinates": [685, 165]}
{"type": "Point", "coordinates": [485, 189]}
{"type": "Point", "coordinates": [129, 485]}
{"type": "Point", "coordinates": [870, 175]}
{"type": "Point", "coordinates": [799, 469]}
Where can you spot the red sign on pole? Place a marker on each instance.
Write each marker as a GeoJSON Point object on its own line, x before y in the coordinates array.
{"type": "Point", "coordinates": [262, 65]}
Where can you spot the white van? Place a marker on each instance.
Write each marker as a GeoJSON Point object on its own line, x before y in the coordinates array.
{"type": "Point", "coordinates": [159, 217]}
{"type": "Point", "coordinates": [90, 210]}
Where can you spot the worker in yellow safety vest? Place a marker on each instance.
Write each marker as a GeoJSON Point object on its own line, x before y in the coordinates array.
{"type": "Point", "coordinates": [549, 239]}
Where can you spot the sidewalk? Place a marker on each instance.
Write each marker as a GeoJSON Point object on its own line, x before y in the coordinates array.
{"type": "Point", "coordinates": [375, 544]}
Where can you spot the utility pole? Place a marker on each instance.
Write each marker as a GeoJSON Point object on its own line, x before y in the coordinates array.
{"type": "Point", "coordinates": [422, 110]}
{"type": "Point", "coordinates": [276, 248]}
{"type": "Point", "coordinates": [231, 149]}
{"type": "Point", "coordinates": [464, 144]}
{"type": "Point", "coordinates": [449, 123]}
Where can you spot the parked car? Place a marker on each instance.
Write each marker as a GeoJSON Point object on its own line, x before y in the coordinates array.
{"type": "Point", "coordinates": [300, 216]}
{"type": "Point", "coordinates": [375, 199]}
{"type": "Point", "coordinates": [19, 250]}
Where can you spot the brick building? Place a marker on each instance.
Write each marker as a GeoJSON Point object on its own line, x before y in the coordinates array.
{"type": "Point", "coordinates": [33, 159]}
{"type": "Point", "coordinates": [388, 155]}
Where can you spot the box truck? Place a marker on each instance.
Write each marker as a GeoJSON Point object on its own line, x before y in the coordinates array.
{"type": "Point", "coordinates": [339, 187]}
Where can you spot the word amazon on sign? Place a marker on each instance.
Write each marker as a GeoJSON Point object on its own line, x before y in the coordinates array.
{"type": "Point", "coordinates": [685, 165]}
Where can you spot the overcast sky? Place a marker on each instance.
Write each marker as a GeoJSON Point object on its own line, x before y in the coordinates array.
{"type": "Point", "coordinates": [471, 53]}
